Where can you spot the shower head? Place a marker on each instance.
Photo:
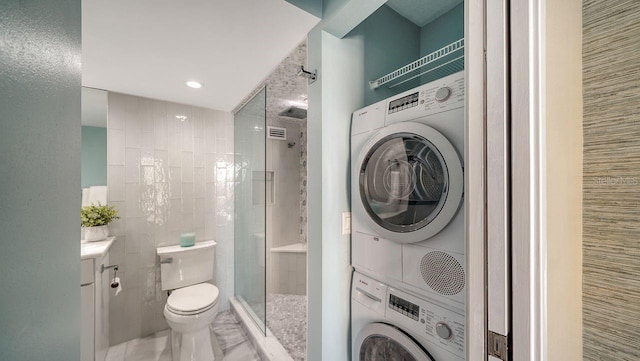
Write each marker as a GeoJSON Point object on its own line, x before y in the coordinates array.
{"type": "Point", "coordinates": [294, 112]}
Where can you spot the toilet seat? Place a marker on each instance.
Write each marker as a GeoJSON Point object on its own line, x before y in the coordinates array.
{"type": "Point", "coordinates": [193, 299]}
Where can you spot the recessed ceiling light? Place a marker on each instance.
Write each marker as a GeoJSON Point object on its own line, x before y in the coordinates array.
{"type": "Point", "coordinates": [194, 84]}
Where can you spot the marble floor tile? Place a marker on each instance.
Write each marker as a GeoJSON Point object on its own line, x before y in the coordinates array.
{"type": "Point", "coordinates": [232, 339]}
{"type": "Point", "coordinates": [242, 352]}
{"type": "Point", "coordinates": [156, 347]}
{"type": "Point", "coordinates": [229, 340]}
{"type": "Point", "coordinates": [116, 352]}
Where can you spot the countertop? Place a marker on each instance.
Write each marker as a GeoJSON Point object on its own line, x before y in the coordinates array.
{"type": "Point", "coordinates": [96, 249]}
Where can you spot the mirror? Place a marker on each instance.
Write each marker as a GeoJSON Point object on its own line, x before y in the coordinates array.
{"type": "Point", "coordinates": [94, 145]}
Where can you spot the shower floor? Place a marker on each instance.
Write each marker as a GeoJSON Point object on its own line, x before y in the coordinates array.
{"type": "Point", "coordinates": [287, 320]}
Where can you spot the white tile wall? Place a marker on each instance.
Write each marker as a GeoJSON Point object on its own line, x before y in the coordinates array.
{"type": "Point", "coordinates": [288, 273]}
{"type": "Point", "coordinates": [165, 177]}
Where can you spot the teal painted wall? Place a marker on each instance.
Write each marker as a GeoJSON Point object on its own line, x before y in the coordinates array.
{"type": "Point", "coordinates": [94, 156]}
{"type": "Point", "coordinates": [337, 92]}
{"type": "Point", "coordinates": [442, 31]}
{"type": "Point", "coordinates": [40, 181]}
{"type": "Point", "coordinates": [390, 42]}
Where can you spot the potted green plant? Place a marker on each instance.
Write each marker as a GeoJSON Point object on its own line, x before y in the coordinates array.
{"type": "Point", "coordinates": [95, 220]}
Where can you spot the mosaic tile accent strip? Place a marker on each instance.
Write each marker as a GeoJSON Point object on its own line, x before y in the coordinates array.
{"type": "Point", "coordinates": [303, 182]}
{"type": "Point", "coordinates": [611, 251]}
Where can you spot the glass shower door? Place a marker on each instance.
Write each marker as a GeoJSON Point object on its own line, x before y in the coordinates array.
{"type": "Point", "coordinates": [250, 207]}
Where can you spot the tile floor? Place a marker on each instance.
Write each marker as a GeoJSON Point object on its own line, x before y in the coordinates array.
{"type": "Point", "coordinates": [232, 341]}
{"type": "Point", "coordinates": [287, 320]}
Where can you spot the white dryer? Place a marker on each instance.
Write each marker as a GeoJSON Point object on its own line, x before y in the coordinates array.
{"type": "Point", "coordinates": [389, 324]}
{"type": "Point", "coordinates": [407, 192]}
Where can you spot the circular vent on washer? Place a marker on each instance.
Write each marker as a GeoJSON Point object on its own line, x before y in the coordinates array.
{"type": "Point", "coordinates": [443, 273]}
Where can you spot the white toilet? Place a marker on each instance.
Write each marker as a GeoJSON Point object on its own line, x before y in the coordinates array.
{"type": "Point", "coordinates": [193, 303]}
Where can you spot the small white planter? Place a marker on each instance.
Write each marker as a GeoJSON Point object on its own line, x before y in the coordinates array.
{"type": "Point", "coordinates": [94, 234]}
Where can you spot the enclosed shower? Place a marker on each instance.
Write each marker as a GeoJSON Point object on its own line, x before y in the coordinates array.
{"type": "Point", "coordinates": [270, 205]}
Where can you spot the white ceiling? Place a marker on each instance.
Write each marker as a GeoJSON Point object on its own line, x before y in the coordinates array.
{"type": "Point", "coordinates": [152, 47]}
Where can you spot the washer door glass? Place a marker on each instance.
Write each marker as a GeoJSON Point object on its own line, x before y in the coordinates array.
{"type": "Point", "coordinates": [382, 348]}
{"type": "Point", "coordinates": [384, 342]}
{"type": "Point", "coordinates": [403, 182]}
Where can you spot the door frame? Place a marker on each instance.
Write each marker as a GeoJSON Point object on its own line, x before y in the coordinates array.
{"type": "Point", "coordinates": [528, 159]}
{"type": "Point", "coordinates": [475, 180]}
{"type": "Point", "coordinates": [527, 215]}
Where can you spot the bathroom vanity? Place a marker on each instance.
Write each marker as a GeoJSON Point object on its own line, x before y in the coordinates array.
{"type": "Point", "coordinates": [94, 290]}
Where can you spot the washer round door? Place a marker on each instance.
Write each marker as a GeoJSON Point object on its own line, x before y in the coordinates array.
{"type": "Point", "coordinates": [411, 182]}
{"type": "Point", "coordinates": [383, 342]}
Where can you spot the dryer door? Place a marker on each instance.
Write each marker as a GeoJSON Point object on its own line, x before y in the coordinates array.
{"type": "Point", "coordinates": [382, 342]}
{"type": "Point", "coordinates": [411, 181]}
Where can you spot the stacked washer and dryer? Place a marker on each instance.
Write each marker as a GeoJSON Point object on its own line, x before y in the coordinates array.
{"type": "Point", "coordinates": [408, 233]}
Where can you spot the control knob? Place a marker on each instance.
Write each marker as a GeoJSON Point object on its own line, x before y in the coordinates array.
{"type": "Point", "coordinates": [443, 94]}
{"type": "Point", "coordinates": [443, 330]}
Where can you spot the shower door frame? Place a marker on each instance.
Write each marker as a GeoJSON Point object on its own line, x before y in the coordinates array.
{"type": "Point", "coordinates": [261, 323]}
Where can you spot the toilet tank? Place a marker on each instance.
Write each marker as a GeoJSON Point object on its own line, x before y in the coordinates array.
{"type": "Point", "coordinates": [185, 266]}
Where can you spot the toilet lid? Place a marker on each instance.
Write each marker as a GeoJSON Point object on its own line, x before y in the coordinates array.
{"type": "Point", "coordinates": [193, 299]}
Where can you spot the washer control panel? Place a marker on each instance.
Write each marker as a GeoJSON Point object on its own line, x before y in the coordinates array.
{"type": "Point", "coordinates": [404, 307]}
{"type": "Point", "coordinates": [427, 320]}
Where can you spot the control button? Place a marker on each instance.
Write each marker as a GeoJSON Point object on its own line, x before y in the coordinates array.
{"type": "Point", "coordinates": [443, 330]}
{"type": "Point", "coordinates": [422, 320]}
{"type": "Point", "coordinates": [443, 94]}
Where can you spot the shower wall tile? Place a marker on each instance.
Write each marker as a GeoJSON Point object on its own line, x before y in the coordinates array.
{"type": "Point", "coordinates": [147, 148]}
{"type": "Point", "coordinates": [132, 199]}
{"type": "Point", "coordinates": [199, 182]}
{"type": "Point", "coordinates": [160, 132]}
{"type": "Point", "coordinates": [162, 179]}
{"type": "Point", "coordinates": [115, 179]}
{"type": "Point", "coordinates": [115, 147]}
{"type": "Point", "coordinates": [132, 165]}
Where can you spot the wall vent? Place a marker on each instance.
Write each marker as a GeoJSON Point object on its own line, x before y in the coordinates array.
{"type": "Point", "coordinates": [277, 133]}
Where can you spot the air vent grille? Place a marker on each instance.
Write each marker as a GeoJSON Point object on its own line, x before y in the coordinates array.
{"type": "Point", "coordinates": [277, 133]}
{"type": "Point", "coordinates": [443, 273]}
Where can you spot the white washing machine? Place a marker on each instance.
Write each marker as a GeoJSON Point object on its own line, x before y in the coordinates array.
{"type": "Point", "coordinates": [407, 190]}
{"type": "Point", "coordinates": [389, 324]}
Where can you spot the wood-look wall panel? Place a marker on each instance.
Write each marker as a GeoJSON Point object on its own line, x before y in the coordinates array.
{"type": "Point", "coordinates": [611, 215]}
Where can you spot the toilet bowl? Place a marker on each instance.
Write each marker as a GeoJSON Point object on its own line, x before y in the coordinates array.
{"type": "Point", "coordinates": [189, 312]}
{"type": "Point", "coordinates": [193, 303]}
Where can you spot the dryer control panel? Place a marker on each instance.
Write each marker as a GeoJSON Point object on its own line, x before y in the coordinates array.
{"type": "Point", "coordinates": [439, 326]}
{"type": "Point", "coordinates": [432, 98]}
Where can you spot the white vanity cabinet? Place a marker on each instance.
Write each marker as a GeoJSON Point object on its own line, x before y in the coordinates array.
{"type": "Point", "coordinates": [87, 294]}
{"type": "Point", "coordinates": [95, 290]}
